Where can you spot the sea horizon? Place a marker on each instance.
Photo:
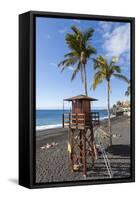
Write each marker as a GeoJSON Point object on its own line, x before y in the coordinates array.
{"type": "Point", "coordinates": [68, 108]}
{"type": "Point", "coordinates": [52, 118]}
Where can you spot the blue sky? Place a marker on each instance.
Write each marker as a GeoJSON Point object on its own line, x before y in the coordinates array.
{"type": "Point", "coordinates": [52, 85]}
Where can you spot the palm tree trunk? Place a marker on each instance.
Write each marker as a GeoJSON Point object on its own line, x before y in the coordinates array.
{"type": "Point", "coordinates": [85, 81]}
{"type": "Point", "coordinates": [109, 120]}
{"type": "Point", "coordinates": [81, 70]}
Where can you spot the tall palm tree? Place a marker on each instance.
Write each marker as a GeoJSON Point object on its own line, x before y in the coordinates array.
{"type": "Point", "coordinates": [105, 71]}
{"type": "Point", "coordinates": [81, 50]}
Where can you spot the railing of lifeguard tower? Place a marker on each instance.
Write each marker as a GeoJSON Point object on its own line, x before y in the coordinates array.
{"type": "Point", "coordinates": [79, 120]}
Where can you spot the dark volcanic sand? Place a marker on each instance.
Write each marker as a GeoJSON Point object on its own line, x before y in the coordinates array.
{"type": "Point", "coordinates": [52, 165]}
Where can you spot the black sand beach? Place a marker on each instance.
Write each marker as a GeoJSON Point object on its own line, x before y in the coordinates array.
{"type": "Point", "coordinates": [52, 165]}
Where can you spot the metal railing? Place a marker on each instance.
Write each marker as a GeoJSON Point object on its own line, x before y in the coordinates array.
{"type": "Point", "coordinates": [95, 118]}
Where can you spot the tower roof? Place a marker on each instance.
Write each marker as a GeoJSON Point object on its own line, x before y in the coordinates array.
{"type": "Point", "coordinates": [80, 97]}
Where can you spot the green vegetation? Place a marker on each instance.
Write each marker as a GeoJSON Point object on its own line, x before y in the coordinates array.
{"type": "Point", "coordinates": [105, 70]}
{"type": "Point", "coordinates": [127, 92]}
{"type": "Point", "coordinates": [81, 50]}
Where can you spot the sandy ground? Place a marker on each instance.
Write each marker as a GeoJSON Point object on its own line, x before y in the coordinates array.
{"type": "Point", "coordinates": [52, 165]}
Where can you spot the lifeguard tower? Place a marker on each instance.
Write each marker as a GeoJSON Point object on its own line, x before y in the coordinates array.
{"type": "Point", "coordinates": [80, 122]}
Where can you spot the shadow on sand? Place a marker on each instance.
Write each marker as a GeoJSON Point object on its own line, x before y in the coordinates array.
{"type": "Point", "coordinates": [119, 150]}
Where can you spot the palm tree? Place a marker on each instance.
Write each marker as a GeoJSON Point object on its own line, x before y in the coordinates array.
{"type": "Point", "coordinates": [127, 92]}
{"type": "Point", "coordinates": [105, 71]}
{"type": "Point", "coordinates": [81, 50]}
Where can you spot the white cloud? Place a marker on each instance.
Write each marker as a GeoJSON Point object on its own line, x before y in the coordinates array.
{"type": "Point", "coordinates": [124, 61]}
{"type": "Point", "coordinates": [105, 26]}
{"type": "Point", "coordinates": [71, 68]}
{"type": "Point", "coordinates": [76, 20]}
{"type": "Point", "coordinates": [53, 64]}
{"type": "Point", "coordinates": [62, 31]}
{"type": "Point", "coordinates": [117, 41]}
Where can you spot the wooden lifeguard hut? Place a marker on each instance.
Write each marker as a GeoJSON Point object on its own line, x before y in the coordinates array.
{"type": "Point", "coordinates": [80, 122]}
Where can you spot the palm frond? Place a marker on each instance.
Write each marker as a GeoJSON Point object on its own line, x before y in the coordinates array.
{"type": "Point", "coordinates": [127, 93]}
{"type": "Point", "coordinates": [90, 50]}
{"type": "Point", "coordinates": [67, 63]}
{"type": "Point", "coordinates": [98, 78]}
{"type": "Point", "coordinates": [105, 71]}
{"type": "Point", "coordinates": [121, 77]}
{"type": "Point", "coordinates": [100, 62]}
{"type": "Point", "coordinates": [75, 30]}
{"type": "Point", "coordinates": [70, 55]}
{"type": "Point", "coordinates": [72, 43]}
{"type": "Point", "coordinates": [116, 68]}
{"type": "Point", "coordinates": [87, 35]}
{"type": "Point", "coordinates": [76, 71]}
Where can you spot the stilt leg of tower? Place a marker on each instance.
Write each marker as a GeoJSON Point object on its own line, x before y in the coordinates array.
{"type": "Point", "coordinates": [81, 147]}
{"type": "Point", "coordinates": [72, 149]}
{"type": "Point", "coordinates": [84, 154]}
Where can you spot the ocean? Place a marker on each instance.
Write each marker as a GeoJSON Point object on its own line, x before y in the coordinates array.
{"type": "Point", "coordinates": [47, 119]}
